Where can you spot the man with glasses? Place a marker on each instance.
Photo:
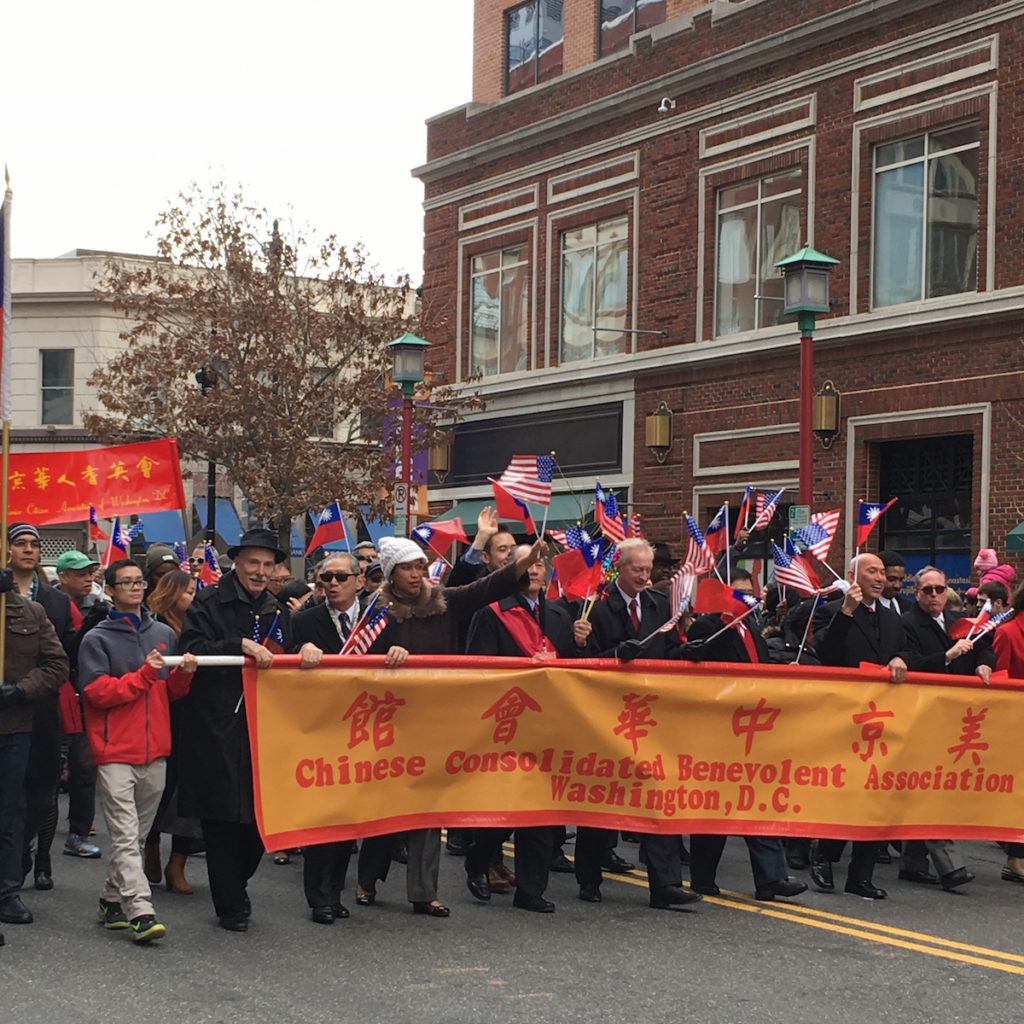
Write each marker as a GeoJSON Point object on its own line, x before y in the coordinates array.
{"type": "Point", "coordinates": [932, 649]}
{"type": "Point", "coordinates": [128, 720]}
{"type": "Point", "coordinates": [328, 626]}
{"type": "Point", "coordinates": [278, 578]}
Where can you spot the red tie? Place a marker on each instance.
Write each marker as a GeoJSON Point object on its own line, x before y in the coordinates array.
{"type": "Point", "coordinates": [634, 613]}
{"type": "Point", "coordinates": [748, 642]}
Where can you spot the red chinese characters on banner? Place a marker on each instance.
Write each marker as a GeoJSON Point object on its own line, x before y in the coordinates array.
{"type": "Point", "coordinates": [970, 737]}
{"type": "Point", "coordinates": [872, 730]}
{"type": "Point", "coordinates": [748, 721]}
{"type": "Point", "coordinates": [127, 479]}
{"type": "Point", "coordinates": [506, 709]}
{"type": "Point", "coordinates": [371, 718]}
{"type": "Point", "coordinates": [635, 717]}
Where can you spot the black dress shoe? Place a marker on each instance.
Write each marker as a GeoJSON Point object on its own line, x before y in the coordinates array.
{"type": "Point", "coordinates": [537, 904]}
{"type": "Point", "coordinates": [821, 875]}
{"type": "Point", "coordinates": [921, 877]}
{"type": "Point", "coordinates": [961, 876]}
{"type": "Point", "coordinates": [13, 911]}
{"type": "Point", "coordinates": [706, 890]}
{"type": "Point", "coordinates": [613, 862]}
{"type": "Point", "coordinates": [322, 915]}
{"type": "Point", "coordinates": [673, 896]}
{"type": "Point", "coordinates": [365, 898]}
{"type": "Point", "coordinates": [781, 887]}
{"type": "Point", "coordinates": [561, 865]}
{"type": "Point", "coordinates": [234, 922]}
{"type": "Point", "coordinates": [340, 911]}
{"type": "Point", "coordinates": [590, 893]}
{"type": "Point", "coordinates": [44, 873]}
{"type": "Point", "coordinates": [479, 886]}
{"type": "Point", "coordinates": [440, 910]}
{"type": "Point", "coordinates": [1009, 875]}
{"type": "Point", "coordinates": [865, 890]}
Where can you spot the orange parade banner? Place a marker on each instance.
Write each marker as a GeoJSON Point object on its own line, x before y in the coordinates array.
{"type": "Point", "coordinates": [353, 749]}
{"type": "Point", "coordinates": [125, 479]}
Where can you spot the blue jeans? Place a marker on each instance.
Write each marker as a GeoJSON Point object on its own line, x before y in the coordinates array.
{"type": "Point", "coordinates": [13, 761]}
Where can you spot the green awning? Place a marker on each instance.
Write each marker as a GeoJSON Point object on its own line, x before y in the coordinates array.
{"type": "Point", "coordinates": [564, 511]}
{"type": "Point", "coordinates": [1015, 540]}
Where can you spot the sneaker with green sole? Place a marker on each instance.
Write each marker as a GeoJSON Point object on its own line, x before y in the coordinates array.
{"type": "Point", "coordinates": [112, 915]}
{"type": "Point", "coordinates": [146, 928]}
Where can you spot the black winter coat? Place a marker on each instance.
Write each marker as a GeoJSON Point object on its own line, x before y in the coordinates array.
{"type": "Point", "coordinates": [215, 764]}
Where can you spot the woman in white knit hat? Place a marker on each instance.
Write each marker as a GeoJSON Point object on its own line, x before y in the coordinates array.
{"type": "Point", "coordinates": [425, 619]}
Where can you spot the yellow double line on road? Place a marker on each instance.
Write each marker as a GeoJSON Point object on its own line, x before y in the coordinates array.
{"type": "Point", "coordinates": [917, 942]}
{"type": "Point", "coordinates": [884, 934]}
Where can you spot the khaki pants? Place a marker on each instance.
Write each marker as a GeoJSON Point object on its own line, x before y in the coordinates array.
{"type": "Point", "coordinates": [128, 796]}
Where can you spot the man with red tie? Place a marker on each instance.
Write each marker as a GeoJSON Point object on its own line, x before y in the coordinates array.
{"type": "Point", "coordinates": [630, 613]}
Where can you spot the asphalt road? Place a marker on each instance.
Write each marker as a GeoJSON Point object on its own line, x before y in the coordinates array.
{"type": "Point", "coordinates": [922, 955]}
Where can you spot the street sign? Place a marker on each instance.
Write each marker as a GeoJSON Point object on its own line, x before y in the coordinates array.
{"type": "Point", "coordinates": [799, 515]}
{"type": "Point", "coordinates": [401, 509]}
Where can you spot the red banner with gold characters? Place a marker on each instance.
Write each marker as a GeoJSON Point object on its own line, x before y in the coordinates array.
{"type": "Point", "coordinates": [353, 749]}
{"type": "Point", "coordinates": [126, 479]}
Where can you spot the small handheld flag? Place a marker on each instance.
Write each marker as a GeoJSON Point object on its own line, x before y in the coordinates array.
{"type": "Point", "coordinates": [868, 514]}
{"type": "Point", "coordinates": [439, 536]}
{"type": "Point", "coordinates": [528, 477]}
{"type": "Point", "coordinates": [331, 527]}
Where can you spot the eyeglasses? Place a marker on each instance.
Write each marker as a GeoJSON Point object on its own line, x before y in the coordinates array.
{"type": "Point", "coordinates": [131, 584]}
{"type": "Point", "coordinates": [196, 561]}
{"type": "Point", "coordinates": [341, 577]}
{"type": "Point", "coordinates": [939, 589]}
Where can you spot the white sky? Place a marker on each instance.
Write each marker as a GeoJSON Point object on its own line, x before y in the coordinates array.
{"type": "Point", "coordinates": [316, 107]}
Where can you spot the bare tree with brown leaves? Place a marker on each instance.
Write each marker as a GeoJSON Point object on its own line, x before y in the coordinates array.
{"type": "Point", "coordinates": [290, 338]}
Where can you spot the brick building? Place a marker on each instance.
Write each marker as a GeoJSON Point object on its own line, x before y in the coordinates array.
{"type": "Point", "coordinates": [603, 219]}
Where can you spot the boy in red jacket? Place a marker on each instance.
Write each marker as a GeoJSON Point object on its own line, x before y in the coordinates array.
{"type": "Point", "coordinates": [127, 692]}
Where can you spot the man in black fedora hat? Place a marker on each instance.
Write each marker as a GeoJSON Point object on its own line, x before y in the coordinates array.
{"type": "Point", "coordinates": [238, 616]}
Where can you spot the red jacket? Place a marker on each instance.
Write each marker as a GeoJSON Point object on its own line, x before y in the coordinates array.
{"type": "Point", "coordinates": [1009, 645]}
{"type": "Point", "coordinates": [127, 710]}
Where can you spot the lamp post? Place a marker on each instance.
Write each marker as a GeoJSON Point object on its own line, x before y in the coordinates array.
{"type": "Point", "coordinates": [806, 293]}
{"type": "Point", "coordinates": [407, 353]}
{"type": "Point", "coordinates": [207, 382]}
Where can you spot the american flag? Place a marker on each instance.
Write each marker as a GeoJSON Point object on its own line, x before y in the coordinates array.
{"type": "Point", "coordinates": [992, 623]}
{"type": "Point", "coordinates": [680, 595]}
{"type": "Point", "coordinates": [558, 536]}
{"type": "Point", "coordinates": [698, 555]}
{"type": "Point", "coordinates": [606, 514]}
{"type": "Point", "coordinates": [817, 535]}
{"type": "Point", "coordinates": [368, 628]}
{"type": "Point", "coordinates": [181, 552]}
{"type": "Point", "coordinates": [791, 571]}
{"type": "Point", "coordinates": [766, 505]}
{"type": "Point", "coordinates": [528, 478]}
{"type": "Point", "coordinates": [633, 528]}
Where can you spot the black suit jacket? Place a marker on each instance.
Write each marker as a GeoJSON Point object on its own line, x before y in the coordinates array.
{"type": "Point", "coordinates": [316, 626]}
{"type": "Point", "coordinates": [488, 635]}
{"type": "Point", "coordinates": [847, 640]}
{"type": "Point", "coordinates": [727, 647]}
{"type": "Point", "coordinates": [613, 624]}
{"type": "Point", "coordinates": [929, 642]}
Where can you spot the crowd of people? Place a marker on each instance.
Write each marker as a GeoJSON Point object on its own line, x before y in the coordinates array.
{"type": "Point", "coordinates": [89, 703]}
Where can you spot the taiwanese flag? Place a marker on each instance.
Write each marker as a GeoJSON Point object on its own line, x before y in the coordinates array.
{"type": "Point", "coordinates": [511, 507]}
{"type": "Point", "coordinates": [209, 575]}
{"type": "Point", "coordinates": [715, 596]}
{"type": "Point", "coordinates": [868, 514]}
{"type": "Point", "coordinates": [743, 514]}
{"type": "Point", "coordinates": [440, 536]}
{"type": "Point", "coordinates": [331, 527]}
{"type": "Point", "coordinates": [716, 536]}
{"type": "Point", "coordinates": [118, 545]}
{"type": "Point", "coordinates": [95, 533]}
{"type": "Point", "coordinates": [576, 578]}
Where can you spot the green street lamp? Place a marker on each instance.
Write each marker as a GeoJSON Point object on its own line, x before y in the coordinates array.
{"type": "Point", "coordinates": [805, 292]}
{"type": "Point", "coordinates": [407, 370]}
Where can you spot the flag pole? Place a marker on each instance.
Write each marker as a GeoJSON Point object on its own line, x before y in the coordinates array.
{"type": "Point", "coordinates": [5, 396]}
{"type": "Point", "coordinates": [730, 625]}
{"type": "Point", "coordinates": [807, 629]}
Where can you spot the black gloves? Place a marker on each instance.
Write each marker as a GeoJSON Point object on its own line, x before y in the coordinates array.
{"type": "Point", "coordinates": [628, 650]}
{"type": "Point", "coordinates": [10, 695]}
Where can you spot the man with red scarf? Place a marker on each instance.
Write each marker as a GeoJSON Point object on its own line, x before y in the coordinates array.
{"type": "Point", "coordinates": [520, 626]}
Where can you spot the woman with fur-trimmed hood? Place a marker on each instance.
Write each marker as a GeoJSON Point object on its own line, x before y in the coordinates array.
{"type": "Point", "coordinates": [424, 618]}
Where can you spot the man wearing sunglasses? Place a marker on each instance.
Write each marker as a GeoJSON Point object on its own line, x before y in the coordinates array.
{"type": "Point", "coordinates": [328, 626]}
{"type": "Point", "coordinates": [932, 649]}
